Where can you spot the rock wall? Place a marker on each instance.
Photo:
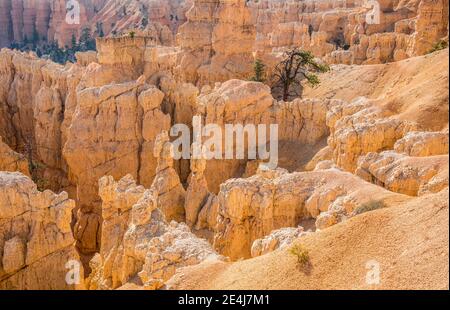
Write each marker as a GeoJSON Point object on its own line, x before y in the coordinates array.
{"type": "Point", "coordinates": [37, 99]}
{"type": "Point", "coordinates": [12, 161]}
{"type": "Point", "coordinates": [138, 245]}
{"type": "Point", "coordinates": [112, 132]}
{"type": "Point", "coordinates": [36, 240]}
{"type": "Point", "coordinates": [22, 19]}
{"type": "Point", "coordinates": [217, 42]}
{"type": "Point", "coordinates": [403, 174]}
{"type": "Point", "coordinates": [300, 123]}
{"type": "Point", "coordinates": [252, 208]}
{"type": "Point", "coordinates": [218, 45]}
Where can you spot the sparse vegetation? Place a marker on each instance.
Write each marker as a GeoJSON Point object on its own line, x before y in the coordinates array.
{"type": "Point", "coordinates": [369, 206]}
{"type": "Point", "coordinates": [301, 253]}
{"type": "Point", "coordinates": [132, 34]}
{"type": "Point", "coordinates": [35, 167]}
{"type": "Point", "coordinates": [440, 45]}
{"type": "Point", "coordinates": [260, 71]}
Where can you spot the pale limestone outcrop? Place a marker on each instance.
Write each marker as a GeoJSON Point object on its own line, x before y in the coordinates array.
{"type": "Point", "coordinates": [36, 240]}
{"type": "Point", "coordinates": [336, 30]}
{"type": "Point", "coordinates": [166, 185]}
{"type": "Point", "coordinates": [278, 239]}
{"type": "Point", "coordinates": [234, 102]}
{"type": "Point", "coordinates": [37, 99]}
{"type": "Point", "coordinates": [12, 161]}
{"type": "Point", "coordinates": [86, 58]}
{"type": "Point", "coordinates": [323, 155]}
{"type": "Point", "coordinates": [207, 218]}
{"type": "Point", "coordinates": [158, 19]}
{"type": "Point", "coordinates": [126, 58]}
{"type": "Point", "coordinates": [421, 144]}
{"type": "Point", "coordinates": [123, 55]}
{"type": "Point", "coordinates": [431, 25]}
{"type": "Point", "coordinates": [138, 245]}
{"type": "Point", "coordinates": [113, 130]}
{"type": "Point", "coordinates": [217, 42]}
{"type": "Point", "coordinates": [251, 208]}
{"type": "Point", "coordinates": [197, 192]}
{"type": "Point", "coordinates": [359, 128]}
{"type": "Point", "coordinates": [339, 31]}
{"type": "Point", "coordinates": [400, 173]}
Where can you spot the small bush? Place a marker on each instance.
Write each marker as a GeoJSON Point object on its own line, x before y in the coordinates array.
{"type": "Point", "coordinates": [440, 45]}
{"type": "Point", "coordinates": [369, 206]}
{"type": "Point", "coordinates": [301, 253]}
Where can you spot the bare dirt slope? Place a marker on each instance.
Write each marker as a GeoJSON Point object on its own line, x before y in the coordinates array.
{"type": "Point", "coordinates": [410, 241]}
{"type": "Point", "coordinates": [415, 89]}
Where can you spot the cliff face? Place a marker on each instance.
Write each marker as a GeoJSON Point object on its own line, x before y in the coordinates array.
{"type": "Point", "coordinates": [36, 241]}
{"type": "Point", "coordinates": [217, 41]}
{"type": "Point", "coordinates": [38, 98]}
{"type": "Point", "coordinates": [221, 38]}
{"type": "Point", "coordinates": [44, 20]}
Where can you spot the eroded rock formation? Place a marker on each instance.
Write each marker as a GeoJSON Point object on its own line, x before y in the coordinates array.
{"type": "Point", "coordinates": [110, 114]}
{"type": "Point", "coordinates": [138, 245]}
{"type": "Point", "coordinates": [252, 208]}
{"type": "Point", "coordinates": [113, 131]}
{"type": "Point", "coordinates": [217, 41]}
{"type": "Point", "coordinates": [403, 174]}
{"type": "Point", "coordinates": [236, 102]}
{"type": "Point", "coordinates": [12, 161]}
{"type": "Point", "coordinates": [36, 241]}
{"type": "Point", "coordinates": [278, 239]}
{"type": "Point", "coordinates": [48, 21]}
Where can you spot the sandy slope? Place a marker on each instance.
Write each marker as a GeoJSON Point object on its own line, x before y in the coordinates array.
{"type": "Point", "coordinates": [415, 89]}
{"type": "Point", "coordinates": [410, 242]}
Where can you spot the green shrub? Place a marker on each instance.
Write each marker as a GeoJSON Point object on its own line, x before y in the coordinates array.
{"type": "Point", "coordinates": [301, 253]}
{"type": "Point", "coordinates": [440, 45]}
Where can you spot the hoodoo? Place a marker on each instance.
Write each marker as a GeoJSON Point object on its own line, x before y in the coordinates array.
{"type": "Point", "coordinates": [224, 144]}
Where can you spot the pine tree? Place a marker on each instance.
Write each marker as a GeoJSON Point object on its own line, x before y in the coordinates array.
{"type": "Point", "coordinates": [260, 71]}
{"type": "Point", "coordinates": [87, 43]}
{"type": "Point", "coordinates": [35, 39]}
{"type": "Point", "coordinates": [297, 66]}
{"type": "Point", "coordinates": [74, 42]}
{"type": "Point", "coordinates": [100, 32]}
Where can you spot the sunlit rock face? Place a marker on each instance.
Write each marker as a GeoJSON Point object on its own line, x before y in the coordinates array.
{"type": "Point", "coordinates": [338, 31]}
{"type": "Point", "coordinates": [99, 129]}
{"type": "Point", "coordinates": [217, 41]}
{"type": "Point", "coordinates": [36, 241]}
{"type": "Point", "coordinates": [48, 21]}
{"type": "Point", "coordinates": [250, 209]}
{"type": "Point", "coordinates": [138, 245]}
{"type": "Point", "coordinates": [38, 98]}
{"type": "Point", "coordinates": [112, 132]}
